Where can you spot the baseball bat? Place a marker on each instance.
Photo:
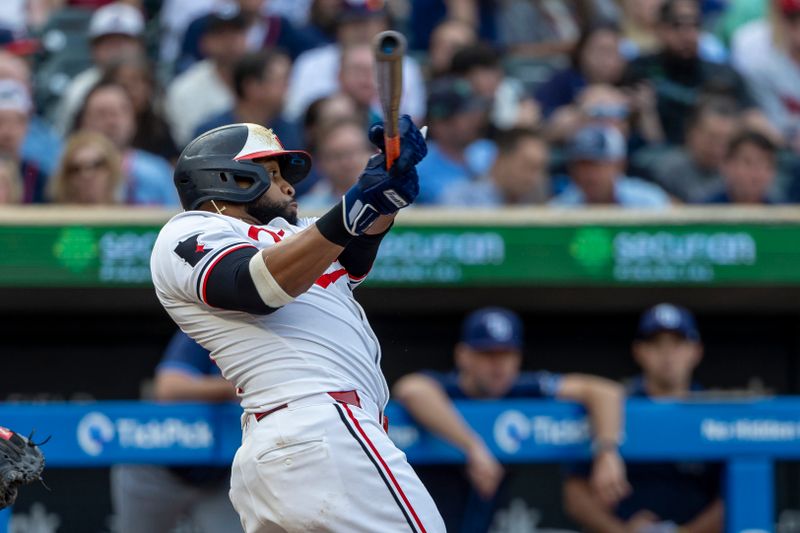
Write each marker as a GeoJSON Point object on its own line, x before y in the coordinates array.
{"type": "Point", "coordinates": [390, 47]}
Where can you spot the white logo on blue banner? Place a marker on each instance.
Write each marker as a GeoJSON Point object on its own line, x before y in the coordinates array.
{"type": "Point", "coordinates": [94, 431]}
{"type": "Point", "coordinates": [510, 429]}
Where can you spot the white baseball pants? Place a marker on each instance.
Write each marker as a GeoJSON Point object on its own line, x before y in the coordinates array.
{"type": "Point", "coordinates": [320, 465]}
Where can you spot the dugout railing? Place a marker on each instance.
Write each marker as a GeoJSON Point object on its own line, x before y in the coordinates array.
{"type": "Point", "coordinates": [748, 435]}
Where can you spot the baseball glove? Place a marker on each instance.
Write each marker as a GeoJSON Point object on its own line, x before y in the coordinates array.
{"type": "Point", "coordinates": [21, 462]}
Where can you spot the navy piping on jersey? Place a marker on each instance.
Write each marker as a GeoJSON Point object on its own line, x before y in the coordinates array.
{"type": "Point", "coordinates": [210, 262]}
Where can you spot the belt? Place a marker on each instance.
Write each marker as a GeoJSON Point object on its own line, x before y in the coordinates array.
{"type": "Point", "coordinates": [349, 397]}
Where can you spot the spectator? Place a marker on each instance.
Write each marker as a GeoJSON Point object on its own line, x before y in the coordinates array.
{"type": "Point", "coordinates": [542, 30]}
{"type": "Point", "coordinates": [691, 172]}
{"type": "Point", "coordinates": [174, 17]}
{"type": "Point", "coordinates": [263, 32]}
{"type": "Point", "coordinates": [10, 186]}
{"type": "Point", "coordinates": [206, 88]}
{"type": "Point", "coordinates": [42, 144]}
{"type": "Point", "coordinates": [322, 17]}
{"type": "Point", "coordinates": [90, 171]}
{"type": "Point", "coordinates": [357, 79]}
{"type": "Point", "coordinates": [108, 110]}
{"type": "Point", "coordinates": [150, 498]}
{"type": "Point", "coordinates": [664, 496]}
{"type": "Point", "coordinates": [341, 155]}
{"type": "Point", "coordinates": [15, 112]}
{"type": "Point", "coordinates": [511, 107]}
{"type": "Point", "coordinates": [769, 56]}
{"type": "Point", "coordinates": [640, 24]}
{"type": "Point", "coordinates": [115, 31]}
{"type": "Point", "coordinates": [488, 360]}
{"type": "Point", "coordinates": [314, 74]}
{"type": "Point", "coordinates": [136, 75]}
{"type": "Point", "coordinates": [321, 113]}
{"type": "Point", "coordinates": [518, 175]}
{"type": "Point", "coordinates": [595, 60]}
{"type": "Point", "coordinates": [456, 150]}
{"type": "Point", "coordinates": [749, 172]}
{"type": "Point", "coordinates": [681, 78]}
{"type": "Point", "coordinates": [427, 15]}
{"type": "Point", "coordinates": [597, 157]}
{"type": "Point", "coordinates": [260, 80]}
{"type": "Point", "coordinates": [633, 113]}
{"type": "Point", "coordinates": [447, 38]}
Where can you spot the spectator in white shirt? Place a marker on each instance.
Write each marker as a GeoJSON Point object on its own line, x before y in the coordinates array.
{"type": "Point", "coordinates": [205, 89]}
{"type": "Point", "coordinates": [314, 74]}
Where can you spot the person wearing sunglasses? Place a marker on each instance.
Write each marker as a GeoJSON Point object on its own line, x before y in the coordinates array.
{"type": "Point", "coordinates": [90, 171]}
{"type": "Point", "coordinates": [680, 76]}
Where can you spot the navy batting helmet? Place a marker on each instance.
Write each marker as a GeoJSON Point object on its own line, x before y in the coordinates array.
{"type": "Point", "coordinates": [216, 164]}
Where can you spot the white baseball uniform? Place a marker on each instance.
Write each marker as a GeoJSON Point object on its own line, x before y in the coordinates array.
{"type": "Point", "coordinates": [314, 463]}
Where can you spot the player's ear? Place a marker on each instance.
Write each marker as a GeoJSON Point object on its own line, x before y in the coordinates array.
{"type": "Point", "coordinates": [636, 351]}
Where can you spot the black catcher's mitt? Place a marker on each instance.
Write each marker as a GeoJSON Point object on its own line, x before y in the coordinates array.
{"type": "Point", "coordinates": [21, 462]}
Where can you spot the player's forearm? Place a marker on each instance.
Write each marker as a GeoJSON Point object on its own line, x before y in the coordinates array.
{"type": "Point", "coordinates": [710, 520]}
{"type": "Point", "coordinates": [297, 262]}
{"type": "Point", "coordinates": [585, 509]}
{"type": "Point", "coordinates": [603, 400]}
{"type": "Point", "coordinates": [430, 407]}
{"type": "Point", "coordinates": [381, 224]}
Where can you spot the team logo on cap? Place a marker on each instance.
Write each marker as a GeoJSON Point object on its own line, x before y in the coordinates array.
{"type": "Point", "coordinates": [667, 316]}
{"type": "Point", "coordinates": [499, 327]}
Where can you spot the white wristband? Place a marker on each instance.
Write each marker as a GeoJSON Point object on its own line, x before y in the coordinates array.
{"type": "Point", "coordinates": [268, 289]}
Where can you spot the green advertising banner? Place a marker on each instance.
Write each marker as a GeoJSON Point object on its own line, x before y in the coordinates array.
{"type": "Point", "coordinates": [718, 254]}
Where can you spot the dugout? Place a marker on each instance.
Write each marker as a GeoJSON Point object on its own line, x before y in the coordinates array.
{"type": "Point", "coordinates": [80, 321]}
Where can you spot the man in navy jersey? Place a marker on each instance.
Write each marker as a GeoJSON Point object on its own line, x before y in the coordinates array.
{"type": "Point", "coordinates": [150, 498]}
{"type": "Point", "coordinates": [488, 360]}
{"type": "Point", "coordinates": [664, 497]}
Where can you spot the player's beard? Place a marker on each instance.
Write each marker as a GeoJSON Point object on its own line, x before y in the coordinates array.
{"type": "Point", "coordinates": [264, 210]}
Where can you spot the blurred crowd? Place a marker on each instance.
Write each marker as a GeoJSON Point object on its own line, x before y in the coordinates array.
{"type": "Point", "coordinates": [638, 103]}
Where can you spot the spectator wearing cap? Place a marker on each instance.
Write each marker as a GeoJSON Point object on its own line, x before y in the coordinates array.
{"type": "Point", "coordinates": [260, 80]}
{"type": "Point", "coordinates": [518, 176]}
{"type": "Point", "coordinates": [664, 497]}
{"type": "Point", "coordinates": [749, 172]}
{"type": "Point", "coordinates": [510, 105]}
{"type": "Point", "coordinates": [488, 359]}
{"type": "Point", "coordinates": [108, 110]}
{"type": "Point", "coordinates": [457, 151]}
{"type": "Point", "coordinates": [597, 160]}
{"type": "Point", "coordinates": [692, 172]}
{"type": "Point", "coordinates": [680, 77]}
{"type": "Point", "coordinates": [314, 74]}
{"type": "Point", "coordinates": [115, 31]}
{"type": "Point", "coordinates": [262, 32]}
{"type": "Point", "coordinates": [15, 112]}
{"type": "Point", "coordinates": [206, 88]}
{"type": "Point", "coordinates": [768, 53]}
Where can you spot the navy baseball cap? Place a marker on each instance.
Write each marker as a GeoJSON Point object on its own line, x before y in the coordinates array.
{"type": "Point", "coordinates": [598, 143]}
{"type": "Point", "coordinates": [668, 317]}
{"type": "Point", "coordinates": [492, 328]}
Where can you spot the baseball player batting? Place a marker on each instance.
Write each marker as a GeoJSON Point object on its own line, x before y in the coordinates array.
{"type": "Point", "coordinates": [271, 297]}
